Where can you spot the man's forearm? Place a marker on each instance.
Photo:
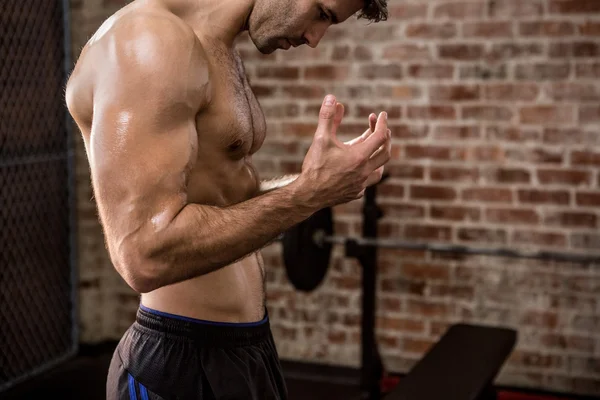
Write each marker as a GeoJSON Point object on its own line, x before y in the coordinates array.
{"type": "Point", "coordinates": [202, 239]}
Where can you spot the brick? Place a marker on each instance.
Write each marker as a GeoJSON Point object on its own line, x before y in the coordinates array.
{"type": "Point", "coordinates": [455, 213]}
{"type": "Point", "coordinates": [299, 129]}
{"type": "Point", "coordinates": [304, 91]}
{"type": "Point", "coordinates": [261, 91]}
{"type": "Point", "coordinates": [392, 304]}
{"type": "Point", "coordinates": [540, 319]}
{"type": "Point", "coordinates": [406, 171]}
{"type": "Point", "coordinates": [336, 337]}
{"type": "Point", "coordinates": [489, 195]}
{"type": "Point", "coordinates": [406, 52]}
{"type": "Point", "coordinates": [549, 239]}
{"type": "Point", "coordinates": [427, 232]}
{"type": "Point", "coordinates": [577, 92]}
{"type": "Point", "coordinates": [431, 71]}
{"type": "Point", "coordinates": [589, 114]}
{"type": "Point", "coordinates": [364, 110]}
{"type": "Point", "coordinates": [488, 153]}
{"type": "Point", "coordinates": [573, 6]}
{"type": "Point", "coordinates": [535, 196]}
{"type": "Point", "coordinates": [406, 11]}
{"type": "Point", "coordinates": [398, 286]}
{"type": "Point", "coordinates": [418, 346]}
{"type": "Point", "coordinates": [281, 110]}
{"type": "Point", "coordinates": [362, 53]}
{"type": "Point", "coordinates": [431, 112]}
{"type": "Point", "coordinates": [511, 216]}
{"type": "Point", "coordinates": [482, 235]}
{"type": "Point", "coordinates": [456, 133]}
{"type": "Point", "coordinates": [536, 155]}
{"type": "Point", "coordinates": [402, 92]}
{"type": "Point", "coordinates": [341, 53]}
{"type": "Point", "coordinates": [589, 28]}
{"type": "Point", "coordinates": [439, 93]}
{"type": "Point", "coordinates": [564, 177]}
{"type": "Point", "coordinates": [460, 52]}
{"type": "Point", "coordinates": [515, 8]}
{"type": "Point", "coordinates": [483, 71]}
{"type": "Point", "coordinates": [542, 72]}
{"type": "Point", "coordinates": [425, 30]}
{"type": "Point", "coordinates": [586, 323]}
{"type": "Point", "coordinates": [512, 134]}
{"type": "Point", "coordinates": [590, 199]}
{"type": "Point", "coordinates": [419, 192]}
{"type": "Point", "coordinates": [326, 72]}
{"type": "Point", "coordinates": [588, 70]}
{"type": "Point", "coordinates": [424, 308]}
{"type": "Point", "coordinates": [488, 29]}
{"type": "Point", "coordinates": [574, 49]}
{"type": "Point", "coordinates": [508, 175]}
{"type": "Point", "coordinates": [512, 91]}
{"type": "Point", "coordinates": [381, 71]}
{"type": "Point", "coordinates": [572, 219]}
{"type": "Point", "coordinates": [504, 51]}
{"type": "Point", "coordinates": [547, 114]}
{"type": "Point", "coordinates": [585, 158]}
{"type": "Point", "coordinates": [547, 28]}
{"type": "Point", "coordinates": [528, 358]}
{"type": "Point", "coordinates": [459, 10]}
{"type": "Point", "coordinates": [453, 291]}
{"type": "Point", "coordinates": [563, 136]}
{"type": "Point", "coordinates": [487, 113]}
{"type": "Point", "coordinates": [403, 210]}
{"type": "Point", "coordinates": [403, 131]}
{"type": "Point", "coordinates": [453, 174]}
{"type": "Point", "coordinates": [425, 272]}
{"type": "Point", "coordinates": [588, 241]}
{"type": "Point", "coordinates": [278, 72]}
{"type": "Point", "coordinates": [434, 152]}
{"type": "Point", "coordinates": [399, 324]}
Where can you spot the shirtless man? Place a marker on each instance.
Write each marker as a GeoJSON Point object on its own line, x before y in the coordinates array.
{"type": "Point", "coordinates": [170, 125]}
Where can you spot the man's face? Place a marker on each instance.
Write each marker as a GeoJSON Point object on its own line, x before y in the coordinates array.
{"type": "Point", "coordinates": [280, 24]}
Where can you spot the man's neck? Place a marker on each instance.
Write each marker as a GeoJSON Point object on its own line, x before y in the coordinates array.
{"type": "Point", "coordinates": [220, 20]}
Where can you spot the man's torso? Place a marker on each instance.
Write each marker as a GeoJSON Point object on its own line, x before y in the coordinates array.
{"type": "Point", "coordinates": [229, 131]}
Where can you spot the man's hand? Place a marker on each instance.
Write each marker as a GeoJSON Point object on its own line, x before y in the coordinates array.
{"type": "Point", "coordinates": [334, 172]}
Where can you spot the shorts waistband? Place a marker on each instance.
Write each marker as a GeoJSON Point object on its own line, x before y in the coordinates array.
{"type": "Point", "coordinates": [209, 333]}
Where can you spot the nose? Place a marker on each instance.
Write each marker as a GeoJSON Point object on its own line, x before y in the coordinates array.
{"type": "Point", "coordinates": [313, 36]}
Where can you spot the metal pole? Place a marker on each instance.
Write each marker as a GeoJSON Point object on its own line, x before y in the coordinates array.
{"type": "Point", "coordinates": [367, 242]}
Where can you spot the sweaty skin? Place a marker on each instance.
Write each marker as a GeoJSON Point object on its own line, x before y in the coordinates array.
{"type": "Point", "coordinates": [170, 125]}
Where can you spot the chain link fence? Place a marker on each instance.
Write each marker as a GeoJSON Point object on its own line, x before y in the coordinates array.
{"type": "Point", "coordinates": [38, 327]}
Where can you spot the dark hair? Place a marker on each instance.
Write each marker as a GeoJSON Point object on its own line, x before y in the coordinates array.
{"type": "Point", "coordinates": [374, 10]}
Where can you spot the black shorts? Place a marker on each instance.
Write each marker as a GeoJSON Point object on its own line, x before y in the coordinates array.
{"type": "Point", "coordinates": [165, 356]}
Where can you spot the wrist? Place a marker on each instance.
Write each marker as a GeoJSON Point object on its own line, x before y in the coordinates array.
{"type": "Point", "coordinates": [303, 196]}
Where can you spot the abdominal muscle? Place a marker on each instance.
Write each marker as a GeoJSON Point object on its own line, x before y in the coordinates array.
{"type": "Point", "coordinates": [231, 294]}
{"type": "Point", "coordinates": [235, 293]}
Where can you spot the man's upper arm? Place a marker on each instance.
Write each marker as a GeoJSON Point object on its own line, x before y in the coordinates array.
{"type": "Point", "coordinates": [151, 84]}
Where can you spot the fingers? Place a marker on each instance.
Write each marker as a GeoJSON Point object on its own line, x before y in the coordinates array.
{"type": "Point", "coordinates": [374, 177]}
{"type": "Point", "coordinates": [337, 119]}
{"type": "Point", "coordinates": [372, 122]}
{"type": "Point", "coordinates": [382, 155]}
{"type": "Point", "coordinates": [361, 138]}
{"type": "Point", "coordinates": [377, 139]}
{"type": "Point", "coordinates": [327, 116]}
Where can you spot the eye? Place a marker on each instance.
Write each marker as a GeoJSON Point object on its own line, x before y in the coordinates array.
{"type": "Point", "coordinates": [323, 15]}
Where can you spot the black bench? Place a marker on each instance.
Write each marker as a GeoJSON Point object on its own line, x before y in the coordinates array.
{"type": "Point", "coordinates": [462, 365]}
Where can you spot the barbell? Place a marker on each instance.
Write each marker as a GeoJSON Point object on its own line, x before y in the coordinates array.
{"type": "Point", "coordinates": [307, 250]}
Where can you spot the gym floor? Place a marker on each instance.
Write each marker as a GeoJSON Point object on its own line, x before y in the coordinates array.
{"type": "Point", "coordinates": [83, 377]}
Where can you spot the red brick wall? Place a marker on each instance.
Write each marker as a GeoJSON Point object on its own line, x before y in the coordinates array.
{"type": "Point", "coordinates": [494, 108]}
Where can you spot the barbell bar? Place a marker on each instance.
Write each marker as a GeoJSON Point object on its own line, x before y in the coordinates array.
{"type": "Point", "coordinates": [307, 250]}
